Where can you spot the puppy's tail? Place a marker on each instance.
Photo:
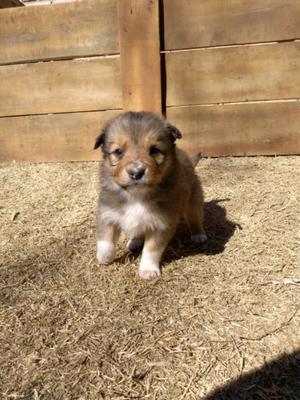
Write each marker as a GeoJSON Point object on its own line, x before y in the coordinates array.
{"type": "Point", "coordinates": [196, 158]}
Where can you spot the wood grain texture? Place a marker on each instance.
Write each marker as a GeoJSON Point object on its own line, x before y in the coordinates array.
{"type": "Point", "coordinates": [57, 137]}
{"type": "Point", "coordinates": [233, 74]}
{"type": "Point", "coordinates": [240, 129]}
{"type": "Point", "coordinates": [246, 129]}
{"type": "Point", "coordinates": [60, 86]}
{"type": "Point", "coordinates": [76, 29]}
{"type": "Point", "coordinates": [138, 22]}
{"type": "Point", "coordinates": [203, 23]}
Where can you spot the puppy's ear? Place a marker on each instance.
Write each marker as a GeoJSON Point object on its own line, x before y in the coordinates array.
{"type": "Point", "coordinates": [174, 132]}
{"type": "Point", "coordinates": [100, 140]}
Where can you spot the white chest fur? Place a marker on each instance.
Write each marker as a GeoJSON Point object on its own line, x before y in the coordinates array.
{"type": "Point", "coordinates": [135, 218]}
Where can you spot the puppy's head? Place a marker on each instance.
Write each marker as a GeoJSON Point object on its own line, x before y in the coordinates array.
{"type": "Point", "coordinates": [138, 149]}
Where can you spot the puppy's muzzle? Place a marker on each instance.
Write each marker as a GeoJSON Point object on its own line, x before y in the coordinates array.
{"type": "Point", "coordinates": [136, 172]}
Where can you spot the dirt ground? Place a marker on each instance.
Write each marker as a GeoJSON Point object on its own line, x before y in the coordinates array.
{"type": "Point", "coordinates": [223, 321]}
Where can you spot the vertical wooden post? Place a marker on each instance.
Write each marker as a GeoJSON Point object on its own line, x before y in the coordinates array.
{"type": "Point", "coordinates": [138, 23]}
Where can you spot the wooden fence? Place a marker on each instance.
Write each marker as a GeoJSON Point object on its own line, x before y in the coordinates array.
{"type": "Point", "coordinates": [226, 72]}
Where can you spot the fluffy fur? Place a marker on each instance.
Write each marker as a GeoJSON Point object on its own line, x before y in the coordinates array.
{"type": "Point", "coordinates": [147, 187]}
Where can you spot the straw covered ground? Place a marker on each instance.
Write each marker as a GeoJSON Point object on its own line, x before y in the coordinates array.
{"type": "Point", "coordinates": [223, 321]}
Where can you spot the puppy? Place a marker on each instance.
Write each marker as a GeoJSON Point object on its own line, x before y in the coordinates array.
{"type": "Point", "coordinates": [147, 187]}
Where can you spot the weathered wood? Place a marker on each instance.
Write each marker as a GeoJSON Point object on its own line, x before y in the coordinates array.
{"type": "Point", "coordinates": [244, 129]}
{"type": "Point", "coordinates": [68, 30]}
{"type": "Point", "coordinates": [233, 74]}
{"type": "Point", "coordinates": [239, 129]}
{"type": "Point", "coordinates": [56, 137]}
{"type": "Point", "coordinates": [138, 22]}
{"type": "Point", "coordinates": [60, 86]}
{"type": "Point", "coordinates": [197, 23]}
{"type": "Point", "coordinates": [35, 3]}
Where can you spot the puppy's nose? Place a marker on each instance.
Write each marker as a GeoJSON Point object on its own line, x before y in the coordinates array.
{"type": "Point", "coordinates": [136, 172]}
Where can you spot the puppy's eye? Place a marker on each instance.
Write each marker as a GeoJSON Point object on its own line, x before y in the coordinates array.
{"type": "Point", "coordinates": [153, 151]}
{"type": "Point", "coordinates": [118, 152]}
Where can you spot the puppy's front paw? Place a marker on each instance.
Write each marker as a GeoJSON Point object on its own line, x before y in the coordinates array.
{"type": "Point", "coordinates": [149, 273]}
{"type": "Point", "coordinates": [135, 244]}
{"type": "Point", "coordinates": [149, 266]}
{"type": "Point", "coordinates": [105, 251]}
{"type": "Point", "coordinates": [199, 238]}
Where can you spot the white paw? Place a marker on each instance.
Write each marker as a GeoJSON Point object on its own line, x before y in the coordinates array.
{"type": "Point", "coordinates": [149, 266]}
{"type": "Point", "coordinates": [135, 244]}
{"type": "Point", "coordinates": [150, 273]}
{"type": "Point", "coordinates": [105, 251]}
{"type": "Point", "coordinates": [199, 238]}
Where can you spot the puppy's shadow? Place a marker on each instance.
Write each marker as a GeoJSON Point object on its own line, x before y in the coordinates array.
{"type": "Point", "coordinates": [218, 228]}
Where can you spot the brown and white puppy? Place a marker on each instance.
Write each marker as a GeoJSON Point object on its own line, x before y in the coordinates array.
{"type": "Point", "coordinates": [147, 187]}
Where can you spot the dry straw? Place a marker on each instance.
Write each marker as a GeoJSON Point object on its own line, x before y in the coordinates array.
{"type": "Point", "coordinates": [71, 329]}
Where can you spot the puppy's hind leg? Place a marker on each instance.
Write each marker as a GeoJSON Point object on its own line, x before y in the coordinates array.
{"type": "Point", "coordinates": [195, 216]}
{"type": "Point", "coordinates": [155, 244]}
{"type": "Point", "coordinates": [107, 237]}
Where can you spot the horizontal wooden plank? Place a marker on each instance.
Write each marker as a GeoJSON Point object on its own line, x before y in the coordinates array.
{"type": "Point", "coordinates": [215, 22]}
{"type": "Point", "coordinates": [60, 86]}
{"type": "Point", "coordinates": [56, 137]}
{"type": "Point", "coordinates": [239, 129]}
{"type": "Point", "coordinates": [34, 3]}
{"type": "Point", "coordinates": [76, 29]}
{"type": "Point", "coordinates": [245, 129]}
{"type": "Point", "coordinates": [231, 74]}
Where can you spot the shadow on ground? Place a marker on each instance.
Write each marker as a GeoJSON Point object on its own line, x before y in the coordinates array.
{"type": "Point", "coordinates": [276, 380]}
{"type": "Point", "coordinates": [218, 228]}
